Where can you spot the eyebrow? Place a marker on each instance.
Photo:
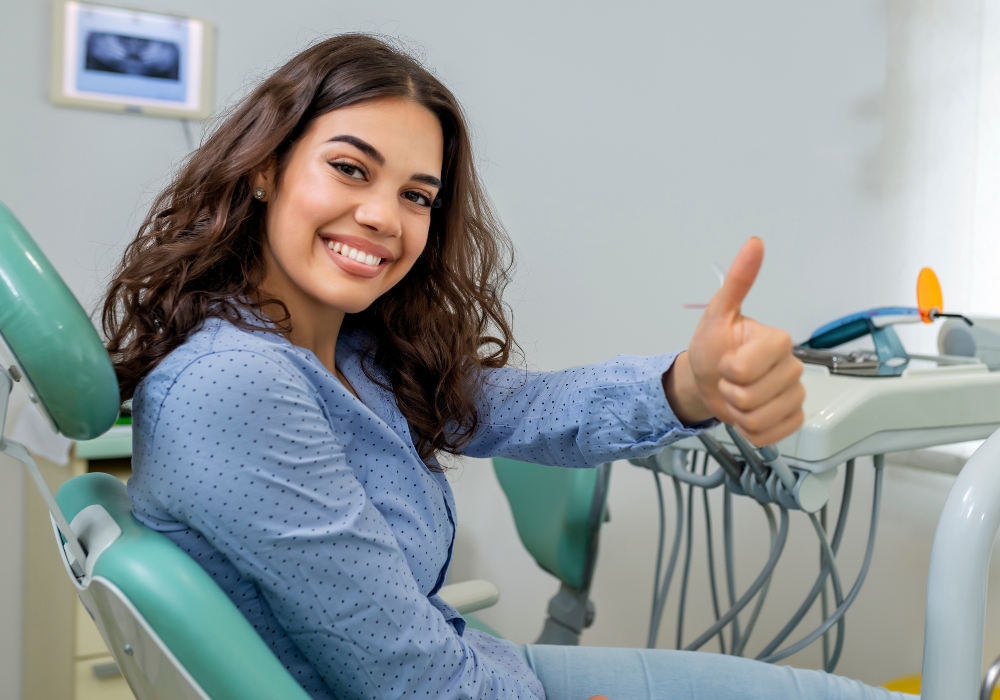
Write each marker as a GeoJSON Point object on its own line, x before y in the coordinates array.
{"type": "Point", "coordinates": [373, 153]}
{"type": "Point", "coordinates": [427, 180]}
{"type": "Point", "coordinates": [363, 146]}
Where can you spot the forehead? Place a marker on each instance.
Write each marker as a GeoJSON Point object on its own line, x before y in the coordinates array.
{"type": "Point", "coordinates": [406, 133]}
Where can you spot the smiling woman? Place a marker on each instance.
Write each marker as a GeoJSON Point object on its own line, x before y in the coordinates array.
{"type": "Point", "coordinates": [351, 142]}
{"type": "Point", "coordinates": [311, 313]}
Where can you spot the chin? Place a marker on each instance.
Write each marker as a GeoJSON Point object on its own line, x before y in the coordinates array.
{"type": "Point", "coordinates": [352, 305]}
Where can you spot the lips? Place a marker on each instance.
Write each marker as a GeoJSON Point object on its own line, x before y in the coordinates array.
{"type": "Point", "coordinates": [353, 253]}
{"type": "Point", "coordinates": [357, 256]}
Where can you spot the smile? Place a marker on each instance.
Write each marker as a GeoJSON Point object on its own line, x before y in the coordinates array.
{"type": "Point", "coordinates": [353, 253]}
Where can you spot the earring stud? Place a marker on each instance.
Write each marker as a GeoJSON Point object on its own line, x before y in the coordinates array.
{"type": "Point", "coordinates": [259, 193]}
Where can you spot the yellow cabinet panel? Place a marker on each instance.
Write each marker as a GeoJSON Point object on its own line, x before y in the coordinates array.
{"type": "Point", "coordinates": [93, 681]}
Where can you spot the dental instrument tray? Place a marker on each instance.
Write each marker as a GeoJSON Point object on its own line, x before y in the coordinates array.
{"type": "Point", "coordinates": [867, 402]}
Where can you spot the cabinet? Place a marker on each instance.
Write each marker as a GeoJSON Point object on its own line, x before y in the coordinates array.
{"type": "Point", "coordinates": [65, 657]}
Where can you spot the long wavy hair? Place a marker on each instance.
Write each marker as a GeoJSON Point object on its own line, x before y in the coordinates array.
{"type": "Point", "coordinates": [198, 253]}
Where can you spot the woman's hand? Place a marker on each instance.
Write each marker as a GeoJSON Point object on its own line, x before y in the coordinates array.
{"type": "Point", "coordinates": [736, 369]}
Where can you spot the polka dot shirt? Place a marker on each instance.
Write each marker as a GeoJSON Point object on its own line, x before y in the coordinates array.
{"type": "Point", "coordinates": [314, 513]}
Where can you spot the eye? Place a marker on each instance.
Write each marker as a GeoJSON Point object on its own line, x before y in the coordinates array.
{"type": "Point", "coordinates": [354, 172]}
{"type": "Point", "coordinates": [418, 198]}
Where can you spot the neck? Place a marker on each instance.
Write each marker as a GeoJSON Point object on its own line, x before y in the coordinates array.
{"type": "Point", "coordinates": [314, 326]}
{"type": "Point", "coordinates": [316, 329]}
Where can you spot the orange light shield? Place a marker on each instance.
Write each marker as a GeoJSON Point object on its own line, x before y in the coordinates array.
{"type": "Point", "coordinates": [930, 301]}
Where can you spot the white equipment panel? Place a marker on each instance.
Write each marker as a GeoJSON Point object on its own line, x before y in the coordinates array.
{"type": "Point", "coordinates": [849, 416]}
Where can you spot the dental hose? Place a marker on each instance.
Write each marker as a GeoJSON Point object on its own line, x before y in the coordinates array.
{"type": "Point", "coordinates": [738, 650]}
{"type": "Point", "coordinates": [650, 640]}
{"type": "Point", "coordinates": [727, 549]}
{"type": "Point", "coordinates": [845, 505]}
{"type": "Point", "coordinates": [855, 589]}
{"type": "Point", "coordinates": [824, 603]}
{"type": "Point", "coordinates": [661, 586]}
{"type": "Point", "coordinates": [711, 559]}
{"type": "Point", "coordinates": [755, 587]}
{"type": "Point", "coordinates": [688, 547]}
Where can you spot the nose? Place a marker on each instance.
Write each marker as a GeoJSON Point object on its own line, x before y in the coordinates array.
{"type": "Point", "coordinates": [379, 212]}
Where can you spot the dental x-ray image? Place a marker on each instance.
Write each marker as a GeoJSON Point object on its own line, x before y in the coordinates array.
{"type": "Point", "coordinates": [132, 55]}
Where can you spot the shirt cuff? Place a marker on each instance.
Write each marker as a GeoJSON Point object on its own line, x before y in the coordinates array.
{"type": "Point", "coordinates": [662, 413]}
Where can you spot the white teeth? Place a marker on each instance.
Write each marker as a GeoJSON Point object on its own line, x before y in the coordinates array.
{"type": "Point", "coordinates": [353, 253]}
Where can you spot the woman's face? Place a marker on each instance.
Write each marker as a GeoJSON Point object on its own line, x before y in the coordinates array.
{"type": "Point", "coordinates": [350, 212]}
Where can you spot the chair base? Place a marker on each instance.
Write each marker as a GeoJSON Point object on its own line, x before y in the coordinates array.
{"type": "Point", "coordinates": [570, 612]}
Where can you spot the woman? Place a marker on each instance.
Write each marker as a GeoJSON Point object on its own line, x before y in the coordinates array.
{"type": "Point", "coordinates": [311, 313]}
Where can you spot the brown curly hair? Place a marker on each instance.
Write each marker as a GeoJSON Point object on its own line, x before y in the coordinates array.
{"type": "Point", "coordinates": [198, 253]}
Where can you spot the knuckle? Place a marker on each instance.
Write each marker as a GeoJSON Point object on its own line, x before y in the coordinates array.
{"type": "Point", "coordinates": [753, 423]}
{"type": "Point", "coordinates": [800, 419]}
{"type": "Point", "coordinates": [739, 371]}
{"type": "Point", "coordinates": [739, 398]}
{"type": "Point", "coordinates": [785, 341]}
{"type": "Point", "coordinates": [797, 369]}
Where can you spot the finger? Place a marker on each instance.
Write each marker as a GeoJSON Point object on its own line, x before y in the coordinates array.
{"type": "Point", "coordinates": [739, 279]}
{"type": "Point", "coordinates": [773, 422]}
{"type": "Point", "coordinates": [780, 431]}
{"type": "Point", "coordinates": [782, 377]}
{"type": "Point", "coordinates": [764, 349]}
{"type": "Point", "coordinates": [762, 417]}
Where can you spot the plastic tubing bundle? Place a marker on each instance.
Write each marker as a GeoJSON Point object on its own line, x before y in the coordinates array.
{"type": "Point", "coordinates": [696, 478]}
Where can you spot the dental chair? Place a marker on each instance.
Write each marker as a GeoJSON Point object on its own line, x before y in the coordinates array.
{"type": "Point", "coordinates": [172, 631]}
{"type": "Point", "coordinates": [153, 605]}
{"type": "Point", "coordinates": [558, 514]}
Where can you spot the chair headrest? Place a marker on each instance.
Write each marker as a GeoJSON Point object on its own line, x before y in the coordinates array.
{"type": "Point", "coordinates": [55, 345]}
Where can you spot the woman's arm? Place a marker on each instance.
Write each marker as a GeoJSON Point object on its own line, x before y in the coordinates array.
{"type": "Point", "coordinates": [243, 452]}
{"type": "Point", "coordinates": [736, 370]}
{"type": "Point", "coordinates": [578, 417]}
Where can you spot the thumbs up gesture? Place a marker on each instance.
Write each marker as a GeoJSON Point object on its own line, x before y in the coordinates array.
{"type": "Point", "coordinates": [736, 369]}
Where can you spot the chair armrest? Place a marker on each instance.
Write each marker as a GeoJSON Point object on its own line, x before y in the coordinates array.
{"type": "Point", "coordinates": [470, 596]}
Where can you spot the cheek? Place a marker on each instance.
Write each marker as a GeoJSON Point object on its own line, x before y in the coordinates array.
{"type": "Point", "coordinates": [415, 241]}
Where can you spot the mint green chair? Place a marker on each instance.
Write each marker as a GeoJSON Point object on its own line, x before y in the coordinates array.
{"type": "Point", "coordinates": [558, 513]}
{"type": "Point", "coordinates": [173, 632]}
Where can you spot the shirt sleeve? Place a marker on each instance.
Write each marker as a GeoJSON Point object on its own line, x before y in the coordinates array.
{"type": "Point", "coordinates": [265, 480]}
{"type": "Point", "coordinates": [579, 417]}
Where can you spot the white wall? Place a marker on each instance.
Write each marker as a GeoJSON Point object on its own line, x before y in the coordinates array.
{"type": "Point", "coordinates": [942, 156]}
{"type": "Point", "coordinates": [627, 146]}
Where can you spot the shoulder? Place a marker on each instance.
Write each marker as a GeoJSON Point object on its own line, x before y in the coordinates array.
{"type": "Point", "coordinates": [218, 358]}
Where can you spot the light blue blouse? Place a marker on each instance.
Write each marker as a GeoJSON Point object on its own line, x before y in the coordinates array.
{"type": "Point", "coordinates": [313, 512]}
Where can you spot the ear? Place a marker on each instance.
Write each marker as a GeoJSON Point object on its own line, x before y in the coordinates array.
{"type": "Point", "coordinates": [265, 177]}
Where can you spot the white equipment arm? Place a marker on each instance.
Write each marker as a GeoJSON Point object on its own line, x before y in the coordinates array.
{"type": "Point", "coordinates": [956, 584]}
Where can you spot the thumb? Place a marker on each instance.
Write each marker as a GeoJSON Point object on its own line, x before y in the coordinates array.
{"type": "Point", "coordinates": [739, 279]}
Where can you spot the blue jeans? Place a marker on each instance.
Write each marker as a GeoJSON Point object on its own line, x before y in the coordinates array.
{"type": "Point", "coordinates": [576, 673]}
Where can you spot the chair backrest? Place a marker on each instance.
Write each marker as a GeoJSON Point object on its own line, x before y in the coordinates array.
{"type": "Point", "coordinates": [174, 633]}
{"type": "Point", "coordinates": [54, 343]}
{"type": "Point", "coordinates": [558, 513]}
